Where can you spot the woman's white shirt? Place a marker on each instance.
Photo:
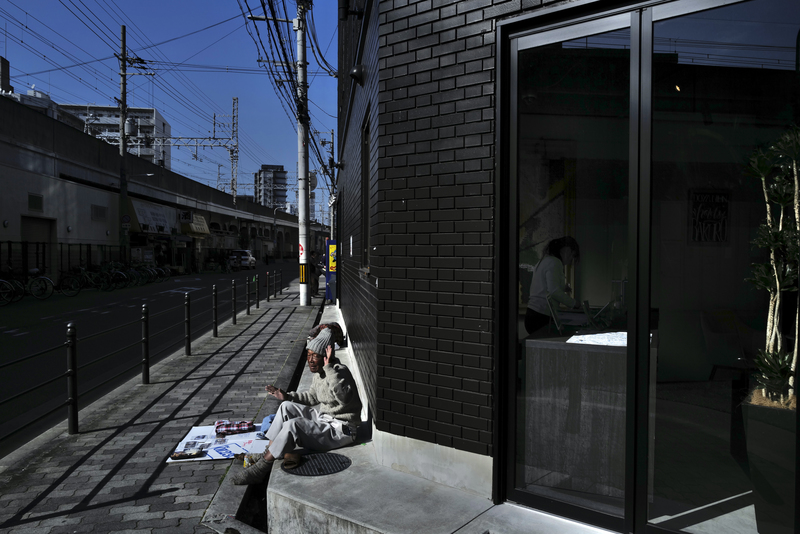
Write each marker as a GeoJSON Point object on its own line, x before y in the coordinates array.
{"type": "Point", "coordinates": [548, 279]}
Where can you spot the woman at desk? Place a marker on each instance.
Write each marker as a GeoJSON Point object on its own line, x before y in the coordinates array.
{"type": "Point", "coordinates": [548, 281]}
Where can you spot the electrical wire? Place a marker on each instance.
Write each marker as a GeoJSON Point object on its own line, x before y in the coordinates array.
{"type": "Point", "coordinates": [184, 105]}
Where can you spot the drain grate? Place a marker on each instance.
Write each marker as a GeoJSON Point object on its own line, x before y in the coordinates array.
{"type": "Point", "coordinates": [323, 463]}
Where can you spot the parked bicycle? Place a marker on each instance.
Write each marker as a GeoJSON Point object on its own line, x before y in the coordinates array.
{"type": "Point", "coordinates": [7, 292]}
{"type": "Point", "coordinates": [68, 284]}
{"type": "Point", "coordinates": [94, 280]}
{"type": "Point", "coordinates": [39, 286]}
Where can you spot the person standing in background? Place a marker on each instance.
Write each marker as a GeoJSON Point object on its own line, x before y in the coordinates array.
{"type": "Point", "coordinates": [549, 282]}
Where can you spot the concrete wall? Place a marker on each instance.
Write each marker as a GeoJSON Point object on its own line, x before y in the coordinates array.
{"type": "Point", "coordinates": [73, 170]}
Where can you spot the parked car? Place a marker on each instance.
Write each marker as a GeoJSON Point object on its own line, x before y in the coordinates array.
{"type": "Point", "coordinates": [241, 259]}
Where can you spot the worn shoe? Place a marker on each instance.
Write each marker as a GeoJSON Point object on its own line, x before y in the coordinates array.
{"type": "Point", "coordinates": [253, 474]}
{"type": "Point", "coordinates": [291, 460]}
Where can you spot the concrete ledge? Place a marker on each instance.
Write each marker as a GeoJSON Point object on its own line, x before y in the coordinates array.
{"type": "Point", "coordinates": [366, 498]}
{"type": "Point", "coordinates": [461, 470]}
{"type": "Point", "coordinates": [370, 498]}
{"type": "Point", "coordinates": [221, 513]}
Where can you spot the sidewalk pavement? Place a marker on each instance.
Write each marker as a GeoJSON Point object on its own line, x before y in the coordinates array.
{"type": "Point", "coordinates": [112, 477]}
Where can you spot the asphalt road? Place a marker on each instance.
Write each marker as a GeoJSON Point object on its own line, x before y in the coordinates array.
{"type": "Point", "coordinates": [109, 333]}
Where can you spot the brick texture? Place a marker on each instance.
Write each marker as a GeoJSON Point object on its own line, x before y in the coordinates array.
{"type": "Point", "coordinates": [356, 285]}
{"type": "Point", "coordinates": [425, 307]}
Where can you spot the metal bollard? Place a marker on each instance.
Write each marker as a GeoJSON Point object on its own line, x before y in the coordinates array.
{"type": "Point", "coordinates": [145, 345]}
{"type": "Point", "coordinates": [214, 309]}
{"type": "Point", "coordinates": [247, 293]}
{"type": "Point", "coordinates": [233, 301]}
{"type": "Point", "coordinates": [72, 378]}
{"type": "Point", "coordinates": [187, 349]}
{"type": "Point", "coordinates": [280, 284]}
{"type": "Point", "coordinates": [266, 283]}
{"type": "Point", "coordinates": [257, 296]}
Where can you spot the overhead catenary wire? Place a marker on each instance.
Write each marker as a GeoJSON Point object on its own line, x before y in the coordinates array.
{"type": "Point", "coordinates": [171, 92]}
{"type": "Point", "coordinates": [191, 87]}
{"type": "Point", "coordinates": [280, 56]}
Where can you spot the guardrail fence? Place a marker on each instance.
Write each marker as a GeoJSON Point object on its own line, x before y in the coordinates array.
{"type": "Point", "coordinates": [192, 329]}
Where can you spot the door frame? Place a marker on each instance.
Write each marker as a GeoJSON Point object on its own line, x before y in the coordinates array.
{"type": "Point", "coordinates": [549, 26]}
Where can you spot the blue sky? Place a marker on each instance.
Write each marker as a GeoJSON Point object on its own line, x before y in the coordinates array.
{"type": "Point", "coordinates": [44, 39]}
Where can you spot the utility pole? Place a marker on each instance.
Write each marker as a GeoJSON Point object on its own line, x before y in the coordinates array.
{"type": "Point", "coordinates": [234, 148]}
{"type": "Point", "coordinates": [299, 25]}
{"type": "Point", "coordinates": [330, 171]}
{"type": "Point", "coordinates": [124, 216]}
{"type": "Point", "coordinates": [333, 187]}
{"type": "Point", "coordinates": [302, 154]}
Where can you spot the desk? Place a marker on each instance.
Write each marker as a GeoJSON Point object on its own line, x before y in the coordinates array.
{"type": "Point", "coordinates": [572, 406]}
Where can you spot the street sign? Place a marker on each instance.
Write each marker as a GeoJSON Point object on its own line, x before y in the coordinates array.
{"type": "Point", "coordinates": [126, 219]}
{"type": "Point", "coordinates": [126, 226]}
{"type": "Point", "coordinates": [332, 256]}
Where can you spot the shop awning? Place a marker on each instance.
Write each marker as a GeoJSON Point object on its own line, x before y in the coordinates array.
{"type": "Point", "coordinates": [154, 218]}
{"type": "Point", "coordinates": [196, 228]}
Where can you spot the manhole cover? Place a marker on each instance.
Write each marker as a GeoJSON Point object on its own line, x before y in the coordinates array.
{"type": "Point", "coordinates": [323, 463]}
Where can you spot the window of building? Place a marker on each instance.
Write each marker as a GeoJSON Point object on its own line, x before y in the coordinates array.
{"type": "Point", "coordinates": [99, 213]}
{"type": "Point", "coordinates": [35, 202]}
{"type": "Point", "coordinates": [724, 84]}
{"type": "Point", "coordinates": [631, 134]}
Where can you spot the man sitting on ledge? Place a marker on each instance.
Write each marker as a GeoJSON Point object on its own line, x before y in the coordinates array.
{"type": "Point", "coordinates": [331, 425]}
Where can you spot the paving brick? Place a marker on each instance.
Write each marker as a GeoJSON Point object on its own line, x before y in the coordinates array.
{"type": "Point", "coordinates": [112, 477]}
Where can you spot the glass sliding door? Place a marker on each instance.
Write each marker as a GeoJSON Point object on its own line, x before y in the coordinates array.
{"type": "Point", "coordinates": [724, 83]}
{"type": "Point", "coordinates": [570, 103]}
{"type": "Point", "coordinates": [669, 114]}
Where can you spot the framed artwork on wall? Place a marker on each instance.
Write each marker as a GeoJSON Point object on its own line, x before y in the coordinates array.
{"type": "Point", "coordinates": [709, 216]}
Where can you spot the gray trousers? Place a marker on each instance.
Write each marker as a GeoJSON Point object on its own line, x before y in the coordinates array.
{"type": "Point", "coordinates": [298, 425]}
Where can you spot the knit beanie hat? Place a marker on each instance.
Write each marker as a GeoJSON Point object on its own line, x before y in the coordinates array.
{"type": "Point", "coordinates": [321, 342]}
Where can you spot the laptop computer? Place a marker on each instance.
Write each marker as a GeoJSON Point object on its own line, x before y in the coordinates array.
{"type": "Point", "coordinates": [593, 322]}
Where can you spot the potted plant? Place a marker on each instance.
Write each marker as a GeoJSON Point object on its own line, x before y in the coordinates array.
{"type": "Point", "coordinates": [770, 410]}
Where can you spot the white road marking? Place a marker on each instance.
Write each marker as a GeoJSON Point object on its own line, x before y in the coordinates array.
{"type": "Point", "coordinates": [181, 290]}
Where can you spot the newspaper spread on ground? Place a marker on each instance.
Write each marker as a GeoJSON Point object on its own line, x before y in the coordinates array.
{"type": "Point", "coordinates": [209, 447]}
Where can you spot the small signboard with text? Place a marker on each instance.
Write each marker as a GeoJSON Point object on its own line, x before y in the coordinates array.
{"type": "Point", "coordinates": [709, 216]}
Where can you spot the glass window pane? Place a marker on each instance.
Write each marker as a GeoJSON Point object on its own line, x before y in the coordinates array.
{"type": "Point", "coordinates": [572, 167]}
{"type": "Point", "coordinates": [724, 84]}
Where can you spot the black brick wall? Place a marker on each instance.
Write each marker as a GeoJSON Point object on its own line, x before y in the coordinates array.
{"type": "Point", "coordinates": [431, 218]}
{"type": "Point", "coordinates": [356, 287]}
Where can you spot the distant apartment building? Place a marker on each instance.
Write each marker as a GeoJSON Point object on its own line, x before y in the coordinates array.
{"type": "Point", "coordinates": [146, 128]}
{"type": "Point", "coordinates": [271, 186]}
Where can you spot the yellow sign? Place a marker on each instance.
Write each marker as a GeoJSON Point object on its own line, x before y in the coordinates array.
{"type": "Point", "coordinates": [331, 257]}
